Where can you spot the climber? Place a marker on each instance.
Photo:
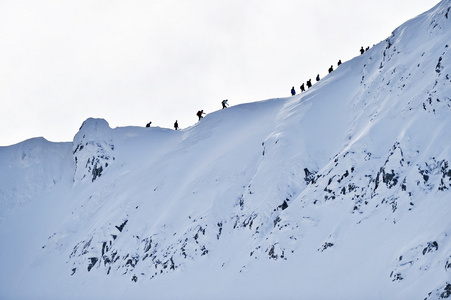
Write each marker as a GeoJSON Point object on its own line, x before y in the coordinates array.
{"type": "Point", "coordinates": [302, 88]}
{"type": "Point", "coordinates": [317, 77]}
{"type": "Point", "coordinates": [309, 83]}
{"type": "Point", "coordinates": [148, 124]}
{"type": "Point", "coordinates": [224, 103]}
{"type": "Point", "coordinates": [176, 125]}
{"type": "Point", "coordinates": [339, 63]}
{"type": "Point", "coordinates": [362, 50]}
{"type": "Point", "coordinates": [331, 69]}
{"type": "Point", "coordinates": [200, 113]}
{"type": "Point", "coordinates": [293, 92]}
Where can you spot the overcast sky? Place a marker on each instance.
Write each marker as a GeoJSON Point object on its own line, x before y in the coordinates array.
{"type": "Point", "coordinates": [131, 62]}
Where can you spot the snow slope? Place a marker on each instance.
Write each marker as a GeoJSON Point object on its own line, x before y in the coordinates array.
{"type": "Point", "coordinates": [342, 191]}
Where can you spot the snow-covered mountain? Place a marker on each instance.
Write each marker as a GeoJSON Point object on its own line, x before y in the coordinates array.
{"type": "Point", "coordinates": [340, 192]}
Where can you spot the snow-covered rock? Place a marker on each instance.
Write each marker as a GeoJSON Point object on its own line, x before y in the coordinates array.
{"type": "Point", "coordinates": [93, 150]}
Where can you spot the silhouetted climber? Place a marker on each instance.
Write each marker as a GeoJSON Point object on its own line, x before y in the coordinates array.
{"type": "Point", "coordinates": [224, 103]}
{"type": "Point", "coordinates": [200, 113]}
{"type": "Point", "coordinates": [148, 124]}
{"type": "Point", "coordinates": [317, 77]}
{"type": "Point", "coordinates": [331, 69]}
{"type": "Point", "coordinates": [309, 83]}
{"type": "Point", "coordinates": [302, 88]}
{"type": "Point", "coordinates": [362, 50]}
{"type": "Point", "coordinates": [339, 63]}
{"type": "Point", "coordinates": [367, 48]}
{"type": "Point", "coordinates": [293, 92]}
{"type": "Point", "coordinates": [176, 125]}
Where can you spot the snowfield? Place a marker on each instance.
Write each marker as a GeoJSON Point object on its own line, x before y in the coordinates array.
{"type": "Point", "coordinates": [340, 192]}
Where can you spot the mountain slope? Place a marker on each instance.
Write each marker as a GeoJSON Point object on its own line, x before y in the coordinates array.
{"type": "Point", "coordinates": [341, 191]}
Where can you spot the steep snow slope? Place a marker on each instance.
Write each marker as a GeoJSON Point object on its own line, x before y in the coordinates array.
{"type": "Point", "coordinates": [341, 191]}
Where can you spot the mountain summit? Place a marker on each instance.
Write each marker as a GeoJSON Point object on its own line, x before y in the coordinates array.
{"type": "Point", "coordinates": [342, 191]}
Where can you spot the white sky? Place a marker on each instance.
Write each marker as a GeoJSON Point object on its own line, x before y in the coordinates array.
{"type": "Point", "coordinates": [135, 61]}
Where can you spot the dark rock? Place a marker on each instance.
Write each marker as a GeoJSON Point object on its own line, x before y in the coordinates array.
{"type": "Point", "coordinates": [325, 246]}
{"type": "Point", "coordinates": [447, 291]}
{"type": "Point", "coordinates": [121, 227]}
{"type": "Point", "coordinates": [397, 277]}
{"type": "Point", "coordinates": [430, 247]}
{"type": "Point", "coordinates": [310, 177]}
{"type": "Point", "coordinates": [448, 264]}
{"type": "Point", "coordinates": [93, 261]}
